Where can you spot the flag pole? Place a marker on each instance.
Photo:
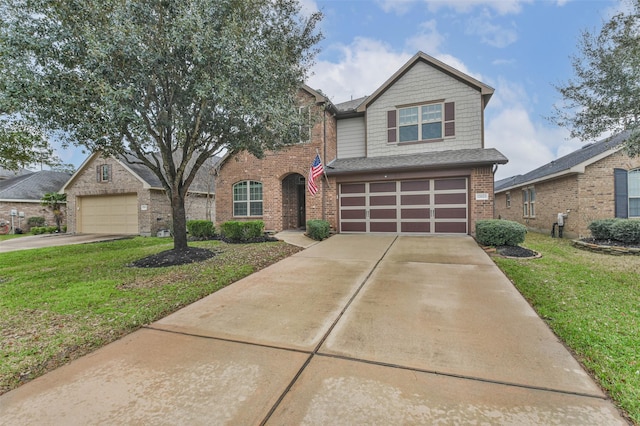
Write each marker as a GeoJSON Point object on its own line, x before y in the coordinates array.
{"type": "Point", "coordinates": [324, 169]}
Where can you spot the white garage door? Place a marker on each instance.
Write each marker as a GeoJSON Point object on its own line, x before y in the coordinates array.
{"type": "Point", "coordinates": [427, 206]}
{"type": "Point", "coordinates": [112, 214]}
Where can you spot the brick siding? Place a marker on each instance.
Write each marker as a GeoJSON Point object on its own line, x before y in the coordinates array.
{"type": "Point", "coordinates": [588, 196]}
{"type": "Point", "coordinates": [34, 209]}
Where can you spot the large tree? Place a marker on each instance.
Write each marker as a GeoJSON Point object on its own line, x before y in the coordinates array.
{"type": "Point", "coordinates": [22, 145]}
{"type": "Point", "coordinates": [172, 81]}
{"type": "Point", "coordinates": [604, 95]}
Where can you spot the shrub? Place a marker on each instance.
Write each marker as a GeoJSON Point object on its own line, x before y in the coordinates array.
{"type": "Point", "coordinates": [318, 229]}
{"type": "Point", "coordinates": [602, 229]}
{"type": "Point", "coordinates": [201, 228]}
{"type": "Point", "coordinates": [626, 230]}
{"type": "Point", "coordinates": [35, 221]}
{"type": "Point", "coordinates": [37, 230]}
{"type": "Point", "coordinates": [495, 232]}
{"type": "Point", "coordinates": [242, 231]}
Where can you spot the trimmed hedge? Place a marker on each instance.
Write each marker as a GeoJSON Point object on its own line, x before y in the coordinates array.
{"type": "Point", "coordinates": [623, 230]}
{"type": "Point", "coordinates": [242, 231]}
{"type": "Point", "coordinates": [496, 232]}
{"type": "Point", "coordinates": [201, 228]}
{"type": "Point", "coordinates": [318, 229]}
{"type": "Point", "coordinates": [35, 221]}
{"type": "Point", "coordinates": [37, 230]}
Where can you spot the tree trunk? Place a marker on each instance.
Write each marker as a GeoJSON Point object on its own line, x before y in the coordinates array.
{"type": "Point", "coordinates": [179, 222]}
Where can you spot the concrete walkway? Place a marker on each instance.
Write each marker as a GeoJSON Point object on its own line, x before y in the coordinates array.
{"type": "Point", "coordinates": [55, 240]}
{"type": "Point", "coordinates": [354, 330]}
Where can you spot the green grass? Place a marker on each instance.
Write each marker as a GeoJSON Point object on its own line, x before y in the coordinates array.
{"type": "Point", "coordinates": [592, 302]}
{"type": "Point", "coordinates": [59, 303]}
{"type": "Point", "coordinates": [11, 236]}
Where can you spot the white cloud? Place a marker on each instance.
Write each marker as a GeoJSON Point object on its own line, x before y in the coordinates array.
{"type": "Point", "coordinates": [490, 33]}
{"type": "Point", "coordinates": [363, 66]}
{"type": "Point", "coordinates": [502, 7]}
{"type": "Point", "coordinates": [307, 7]}
{"type": "Point", "coordinates": [428, 40]}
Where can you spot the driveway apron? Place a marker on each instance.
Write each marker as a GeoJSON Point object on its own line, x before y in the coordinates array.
{"type": "Point", "coordinates": [358, 329]}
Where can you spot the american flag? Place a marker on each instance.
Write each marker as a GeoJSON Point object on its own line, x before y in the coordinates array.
{"type": "Point", "coordinates": [316, 170]}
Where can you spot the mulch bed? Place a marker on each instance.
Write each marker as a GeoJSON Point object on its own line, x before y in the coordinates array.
{"type": "Point", "coordinates": [515, 251]}
{"type": "Point", "coordinates": [174, 257]}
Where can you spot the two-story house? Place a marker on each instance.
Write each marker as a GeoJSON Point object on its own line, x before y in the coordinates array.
{"type": "Point", "coordinates": [410, 158]}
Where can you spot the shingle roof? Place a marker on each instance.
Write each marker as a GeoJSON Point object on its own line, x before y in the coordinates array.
{"type": "Point", "coordinates": [32, 186]}
{"type": "Point", "coordinates": [203, 181]}
{"type": "Point", "coordinates": [431, 160]}
{"type": "Point", "coordinates": [351, 105]}
{"type": "Point", "coordinates": [566, 163]}
{"type": "Point", "coordinates": [8, 174]}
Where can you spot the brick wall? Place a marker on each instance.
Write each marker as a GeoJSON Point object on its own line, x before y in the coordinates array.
{"type": "Point", "coordinates": [274, 171]}
{"type": "Point", "coordinates": [30, 210]}
{"type": "Point", "coordinates": [481, 182]}
{"type": "Point", "coordinates": [587, 196]}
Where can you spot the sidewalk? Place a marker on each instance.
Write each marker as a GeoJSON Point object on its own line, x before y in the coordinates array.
{"type": "Point", "coordinates": [357, 329]}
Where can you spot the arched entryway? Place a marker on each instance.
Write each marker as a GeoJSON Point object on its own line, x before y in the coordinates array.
{"type": "Point", "coordinates": [293, 202]}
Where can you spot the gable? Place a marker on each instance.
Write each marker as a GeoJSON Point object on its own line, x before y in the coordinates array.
{"type": "Point", "coordinates": [422, 85]}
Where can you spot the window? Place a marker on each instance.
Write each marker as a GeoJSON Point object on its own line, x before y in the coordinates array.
{"type": "Point", "coordinates": [529, 202]}
{"type": "Point", "coordinates": [103, 173]}
{"type": "Point", "coordinates": [634, 193]}
{"type": "Point", "coordinates": [427, 122]}
{"type": "Point", "coordinates": [247, 198]}
{"type": "Point", "coordinates": [508, 199]}
{"type": "Point", "coordinates": [305, 123]}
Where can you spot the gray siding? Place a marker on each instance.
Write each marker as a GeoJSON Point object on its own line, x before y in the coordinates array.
{"type": "Point", "coordinates": [423, 83]}
{"type": "Point", "coordinates": [351, 138]}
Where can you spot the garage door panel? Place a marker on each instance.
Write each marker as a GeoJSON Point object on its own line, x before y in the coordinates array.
{"type": "Point", "coordinates": [421, 227]}
{"type": "Point", "coordinates": [353, 201]}
{"type": "Point", "coordinates": [383, 200]}
{"type": "Point", "coordinates": [451, 227]}
{"type": "Point", "coordinates": [383, 227]}
{"type": "Point", "coordinates": [415, 213]}
{"type": "Point", "coordinates": [449, 184]}
{"type": "Point", "coordinates": [415, 185]}
{"type": "Point", "coordinates": [383, 214]}
{"type": "Point", "coordinates": [451, 213]}
{"type": "Point", "coordinates": [353, 214]}
{"type": "Point", "coordinates": [115, 214]}
{"type": "Point", "coordinates": [415, 200]}
{"type": "Point", "coordinates": [382, 187]}
{"type": "Point", "coordinates": [354, 227]}
{"type": "Point", "coordinates": [450, 198]}
{"type": "Point", "coordinates": [352, 188]}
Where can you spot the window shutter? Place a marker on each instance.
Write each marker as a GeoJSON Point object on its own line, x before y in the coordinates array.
{"type": "Point", "coordinates": [621, 193]}
{"type": "Point", "coordinates": [109, 171]}
{"type": "Point", "coordinates": [449, 119]}
{"type": "Point", "coordinates": [98, 175]}
{"type": "Point", "coordinates": [391, 126]}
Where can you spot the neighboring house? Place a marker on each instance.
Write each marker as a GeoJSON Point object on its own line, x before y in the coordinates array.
{"type": "Point", "coordinates": [23, 195]}
{"type": "Point", "coordinates": [410, 158]}
{"type": "Point", "coordinates": [598, 181]}
{"type": "Point", "coordinates": [8, 174]}
{"type": "Point", "coordinates": [110, 195]}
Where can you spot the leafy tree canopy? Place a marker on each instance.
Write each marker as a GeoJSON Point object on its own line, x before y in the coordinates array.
{"type": "Point", "coordinates": [172, 81]}
{"type": "Point", "coordinates": [22, 145]}
{"type": "Point", "coordinates": [604, 95]}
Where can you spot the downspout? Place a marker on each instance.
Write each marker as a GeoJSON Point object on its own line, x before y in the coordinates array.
{"type": "Point", "coordinates": [493, 188]}
{"type": "Point", "coordinates": [324, 159]}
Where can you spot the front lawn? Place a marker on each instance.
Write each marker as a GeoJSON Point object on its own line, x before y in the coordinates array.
{"type": "Point", "coordinates": [592, 302]}
{"type": "Point", "coordinates": [59, 303]}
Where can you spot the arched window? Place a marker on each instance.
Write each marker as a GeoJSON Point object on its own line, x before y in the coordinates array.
{"type": "Point", "coordinates": [247, 198]}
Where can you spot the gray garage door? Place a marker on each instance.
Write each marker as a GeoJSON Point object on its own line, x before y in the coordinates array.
{"type": "Point", "coordinates": [428, 206]}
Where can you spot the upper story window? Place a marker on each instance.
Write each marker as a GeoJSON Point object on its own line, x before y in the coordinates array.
{"type": "Point", "coordinates": [508, 199]}
{"type": "Point", "coordinates": [305, 123]}
{"type": "Point", "coordinates": [247, 198]}
{"type": "Point", "coordinates": [429, 122]}
{"type": "Point", "coordinates": [103, 173]}
{"type": "Point", "coordinates": [529, 202]}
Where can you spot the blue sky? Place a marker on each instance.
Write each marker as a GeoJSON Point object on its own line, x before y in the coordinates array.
{"type": "Point", "coordinates": [519, 47]}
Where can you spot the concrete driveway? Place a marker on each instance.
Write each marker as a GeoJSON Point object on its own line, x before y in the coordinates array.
{"type": "Point", "coordinates": [54, 240]}
{"type": "Point", "coordinates": [355, 330]}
